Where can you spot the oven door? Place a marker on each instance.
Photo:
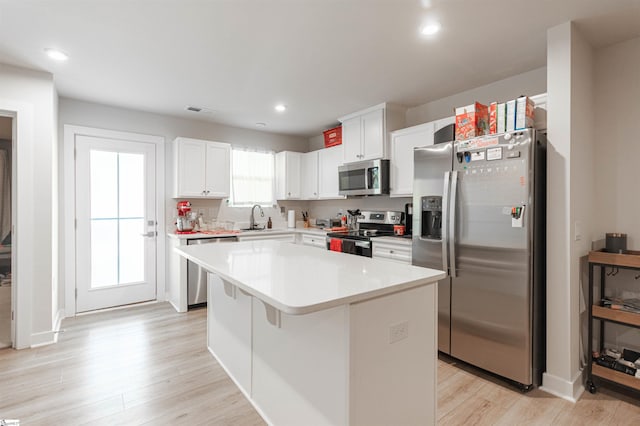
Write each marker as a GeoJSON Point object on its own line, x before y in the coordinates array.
{"type": "Point", "coordinates": [350, 246]}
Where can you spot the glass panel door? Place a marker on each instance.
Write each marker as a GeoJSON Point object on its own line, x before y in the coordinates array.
{"type": "Point", "coordinates": [115, 188]}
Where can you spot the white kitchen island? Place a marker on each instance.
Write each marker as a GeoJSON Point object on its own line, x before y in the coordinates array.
{"type": "Point", "coordinates": [314, 337]}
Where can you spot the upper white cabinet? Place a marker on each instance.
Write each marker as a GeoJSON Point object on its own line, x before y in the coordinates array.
{"type": "Point", "coordinates": [201, 168]}
{"type": "Point", "coordinates": [365, 133]}
{"type": "Point", "coordinates": [309, 175]}
{"type": "Point", "coordinates": [288, 185]}
{"type": "Point", "coordinates": [402, 144]}
{"type": "Point", "coordinates": [328, 161]}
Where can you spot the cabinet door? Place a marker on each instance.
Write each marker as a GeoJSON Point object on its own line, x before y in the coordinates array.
{"type": "Point", "coordinates": [191, 166]}
{"type": "Point", "coordinates": [401, 164]}
{"type": "Point", "coordinates": [351, 140]}
{"type": "Point", "coordinates": [373, 137]}
{"type": "Point", "coordinates": [309, 175]}
{"type": "Point", "coordinates": [218, 174]}
{"type": "Point", "coordinates": [328, 161]}
{"type": "Point", "coordinates": [288, 175]}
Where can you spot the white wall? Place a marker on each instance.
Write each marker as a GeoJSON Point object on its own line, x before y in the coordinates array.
{"type": "Point", "coordinates": [617, 102]}
{"type": "Point", "coordinates": [81, 113]}
{"type": "Point", "coordinates": [529, 83]}
{"type": "Point", "coordinates": [33, 92]}
{"type": "Point", "coordinates": [570, 200]}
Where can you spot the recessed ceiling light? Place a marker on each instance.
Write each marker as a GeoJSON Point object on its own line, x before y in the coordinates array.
{"type": "Point", "coordinates": [56, 54]}
{"type": "Point", "coordinates": [430, 28]}
{"type": "Point", "coordinates": [281, 108]}
{"type": "Point", "coordinates": [261, 124]}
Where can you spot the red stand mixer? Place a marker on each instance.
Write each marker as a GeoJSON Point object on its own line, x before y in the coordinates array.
{"type": "Point", "coordinates": [186, 221]}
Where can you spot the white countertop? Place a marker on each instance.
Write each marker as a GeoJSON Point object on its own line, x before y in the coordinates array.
{"type": "Point", "coordinates": [266, 232]}
{"type": "Point", "coordinates": [297, 279]}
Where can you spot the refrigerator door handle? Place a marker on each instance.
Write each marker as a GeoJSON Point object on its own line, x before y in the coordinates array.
{"type": "Point", "coordinates": [445, 221]}
{"type": "Point", "coordinates": [451, 236]}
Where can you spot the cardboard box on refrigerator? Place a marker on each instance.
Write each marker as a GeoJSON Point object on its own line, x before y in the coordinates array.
{"type": "Point", "coordinates": [502, 117]}
{"type": "Point", "coordinates": [524, 113]}
{"type": "Point", "coordinates": [471, 121]}
{"type": "Point", "coordinates": [511, 116]}
{"type": "Point", "coordinates": [493, 118]}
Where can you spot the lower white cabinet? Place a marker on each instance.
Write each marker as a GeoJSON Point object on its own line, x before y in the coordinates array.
{"type": "Point", "coordinates": [288, 237]}
{"type": "Point", "coordinates": [399, 252]}
{"type": "Point", "coordinates": [314, 240]}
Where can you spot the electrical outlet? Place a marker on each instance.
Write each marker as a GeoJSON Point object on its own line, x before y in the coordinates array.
{"type": "Point", "coordinates": [398, 332]}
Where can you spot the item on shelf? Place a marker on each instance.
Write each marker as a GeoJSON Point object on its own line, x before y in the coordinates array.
{"type": "Point", "coordinates": [510, 117]}
{"type": "Point", "coordinates": [471, 121]}
{"type": "Point", "coordinates": [493, 118]}
{"type": "Point", "coordinates": [524, 113]}
{"type": "Point", "coordinates": [502, 118]}
{"type": "Point", "coordinates": [616, 243]}
{"type": "Point", "coordinates": [618, 304]}
{"type": "Point", "coordinates": [269, 223]}
{"type": "Point", "coordinates": [333, 137]}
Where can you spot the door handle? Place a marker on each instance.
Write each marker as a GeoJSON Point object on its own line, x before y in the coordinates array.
{"type": "Point", "coordinates": [149, 234]}
{"type": "Point", "coordinates": [452, 223]}
{"type": "Point", "coordinates": [445, 221]}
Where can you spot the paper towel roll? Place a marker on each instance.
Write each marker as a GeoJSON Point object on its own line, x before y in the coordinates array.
{"type": "Point", "coordinates": [291, 219]}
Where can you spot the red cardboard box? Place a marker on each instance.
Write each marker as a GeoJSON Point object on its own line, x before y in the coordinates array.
{"type": "Point", "coordinates": [471, 121]}
{"type": "Point", "coordinates": [333, 137]}
{"type": "Point", "coordinates": [493, 118]}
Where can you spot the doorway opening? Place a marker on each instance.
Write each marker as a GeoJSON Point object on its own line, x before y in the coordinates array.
{"type": "Point", "coordinates": [6, 308]}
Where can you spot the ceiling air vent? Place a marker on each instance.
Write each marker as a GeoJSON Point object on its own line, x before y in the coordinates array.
{"type": "Point", "coordinates": [198, 109]}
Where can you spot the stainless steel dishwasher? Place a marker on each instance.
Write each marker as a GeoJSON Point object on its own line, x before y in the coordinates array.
{"type": "Point", "coordinates": [197, 276]}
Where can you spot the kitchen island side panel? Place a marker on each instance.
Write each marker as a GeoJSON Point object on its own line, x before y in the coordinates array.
{"type": "Point", "coordinates": [300, 370]}
{"type": "Point", "coordinates": [393, 355]}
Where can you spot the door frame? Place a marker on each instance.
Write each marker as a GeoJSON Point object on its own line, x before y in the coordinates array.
{"type": "Point", "coordinates": [69, 178]}
{"type": "Point", "coordinates": [22, 239]}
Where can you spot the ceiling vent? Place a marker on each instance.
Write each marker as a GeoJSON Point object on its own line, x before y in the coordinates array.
{"type": "Point", "coordinates": [199, 110]}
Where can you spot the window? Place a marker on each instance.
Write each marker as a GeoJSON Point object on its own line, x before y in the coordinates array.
{"type": "Point", "coordinates": [252, 178]}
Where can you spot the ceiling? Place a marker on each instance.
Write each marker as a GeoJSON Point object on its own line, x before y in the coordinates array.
{"type": "Point", "coordinates": [322, 58]}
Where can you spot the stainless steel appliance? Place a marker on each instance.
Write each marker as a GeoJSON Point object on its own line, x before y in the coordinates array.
{"type": "Point", "coordinates": [364, 178]}
{"type": "Point", "coordinates": [370, 224]}
{"type": "Point", "coordinates": [480, 215]}
{"type": "Point", "coordinates": [197, 276]}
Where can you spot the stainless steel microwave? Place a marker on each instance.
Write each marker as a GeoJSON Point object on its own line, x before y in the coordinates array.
{"type": "Point", "coordinates": [364, 178]}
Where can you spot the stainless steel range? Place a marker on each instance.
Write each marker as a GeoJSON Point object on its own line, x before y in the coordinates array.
{"type": "Point", "coordinates": [368, 225]}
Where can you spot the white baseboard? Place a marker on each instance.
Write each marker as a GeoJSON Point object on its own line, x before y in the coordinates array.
{"type": "Point", "coordinates": [565, 389]}
{"type": "Point", "coordinates": [49, 337]}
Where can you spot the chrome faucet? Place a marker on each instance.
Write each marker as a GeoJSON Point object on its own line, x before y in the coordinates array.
{"type": "Point", "coordinates": [252, 219]}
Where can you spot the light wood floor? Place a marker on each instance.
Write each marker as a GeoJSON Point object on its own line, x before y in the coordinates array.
{"type": "Point", "coordinates": [149, 365]}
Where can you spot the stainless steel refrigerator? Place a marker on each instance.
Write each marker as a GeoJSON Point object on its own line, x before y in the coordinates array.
{"type": "Point", "coordinates": [479, 214]}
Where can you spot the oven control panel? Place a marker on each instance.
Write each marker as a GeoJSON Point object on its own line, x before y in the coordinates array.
{"type": "Point", "coordinates": [381, 217]}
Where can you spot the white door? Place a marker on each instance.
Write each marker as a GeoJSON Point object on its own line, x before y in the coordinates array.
{"type": "Point", "coordinates": [115, 223]}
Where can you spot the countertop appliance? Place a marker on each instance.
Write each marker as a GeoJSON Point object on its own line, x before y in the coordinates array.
{"type": "Point", "coordinates": [197, 276]}
{"type": "Point", "coordinates": [364, 178]}
{"type": "Point", "coordinates": [370, 224]}
{"type": "Point", "coordinates": [186, 220]}
{"type": "Point", "coordinates": [479, 214]}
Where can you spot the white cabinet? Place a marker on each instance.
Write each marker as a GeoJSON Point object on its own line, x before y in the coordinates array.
{"type": "Point", "coordinates": [401, 164]}
{"type": "Point", "coordinates": [289, 237]}
{"type": "Point", "coordinates": [364, 134]}
{"type": "Point", "coordinates": [201, 168]}
{"type": "Point", "coordinates": [398, 251]}
{"type": "Point", "coordinates": [314, 240]}
{"type": "Point", "coordinates": [328, 161]}
{"type": "Point", "coordinates": [309, 175]}
{"type": "Point", "coordinates": [288, 175]}
{"type": "Point", "coordinates": [402, 144]}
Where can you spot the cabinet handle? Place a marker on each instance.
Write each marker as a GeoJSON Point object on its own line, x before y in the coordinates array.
{"type": "Point", "coordinates": [203, 192]}
{"type": "Point", "coordinates": [208, 192]}
{"type": "Point", "coordinates": [391, 251]}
